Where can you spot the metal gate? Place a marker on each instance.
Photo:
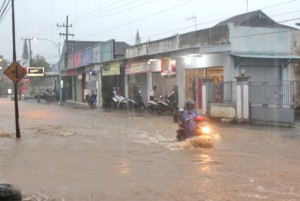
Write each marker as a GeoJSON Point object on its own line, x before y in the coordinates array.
{"type": "Point", "coordinates": [272, 102]}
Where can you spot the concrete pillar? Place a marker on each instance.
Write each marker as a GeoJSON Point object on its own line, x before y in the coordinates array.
{"type": "Point", "coordinates": [149, 85]}
{"type": "Point", "coordinates": [206, 94]}
{"type": "Point", "coordinates": [242, 99]}
{"type": "Point", "coordinates": [99, 90]}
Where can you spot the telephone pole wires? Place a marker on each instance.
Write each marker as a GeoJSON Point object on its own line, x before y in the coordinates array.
{"type": "Point", "coordinates": [67, 34]}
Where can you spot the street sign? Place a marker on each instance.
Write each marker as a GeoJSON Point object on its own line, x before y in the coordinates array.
{"type": "Point", "coordinates": [35, 71]}
{"type": "Point", "coordinates": [15, 72]}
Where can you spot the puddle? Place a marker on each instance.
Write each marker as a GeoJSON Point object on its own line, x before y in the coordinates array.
{"type": "Point", "coordinates": [7, 135]}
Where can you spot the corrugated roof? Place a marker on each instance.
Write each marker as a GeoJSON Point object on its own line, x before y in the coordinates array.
{"type": "Point", "coordinates": [253, 19]}
{"type": "Point", "coordinates": [266, 56]}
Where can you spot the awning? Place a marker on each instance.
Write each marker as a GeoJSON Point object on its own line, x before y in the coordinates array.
{"type": "Point", "coordinates": [266, 56]}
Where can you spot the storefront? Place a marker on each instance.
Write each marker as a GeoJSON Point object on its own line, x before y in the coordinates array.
{"type": "Point", "coordinates": [137, 75]}
{"type": "Point", "coordinates": [199, 67]}
{"type": "Point", "coordinates": [163, 75]}
{"type": "Point", "coordinates": [112, 76]}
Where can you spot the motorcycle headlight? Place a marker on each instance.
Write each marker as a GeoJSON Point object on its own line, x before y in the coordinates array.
{"type": "Point", "coordinates": [205, 130]}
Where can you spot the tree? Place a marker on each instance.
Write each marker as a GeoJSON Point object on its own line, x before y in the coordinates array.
{"type": "Point", "coordinates": [25, 54]}
{"type": "Point", "coordinates": [5, 83]}
{"type": "Point", "coordinates": [137, 38]}
{"type": "Point", "coordinates": [39, 61]}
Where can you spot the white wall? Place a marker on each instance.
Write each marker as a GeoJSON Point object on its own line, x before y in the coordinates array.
{"type": "Point", "coordinates": [260, 40]}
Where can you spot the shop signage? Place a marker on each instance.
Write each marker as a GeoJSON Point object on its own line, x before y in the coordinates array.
{"type": "Point", "coordinates": [137, 67]}
{"type": "Point", "coordinates": [168, 67]}
{"type": "Point", "coordinates": [35, 71]}
{"type": "Point", "coordinates": [112, 68]}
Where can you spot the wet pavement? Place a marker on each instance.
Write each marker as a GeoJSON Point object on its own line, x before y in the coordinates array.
{"type": "Point", "coordinates": [95, 154]}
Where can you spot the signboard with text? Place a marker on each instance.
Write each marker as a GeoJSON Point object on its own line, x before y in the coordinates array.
{"type": "Point", "coordinates": [35, 71]}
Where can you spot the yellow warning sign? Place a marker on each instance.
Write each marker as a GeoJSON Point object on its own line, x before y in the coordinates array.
{"type": "Point", "coordinates": [15, 72]}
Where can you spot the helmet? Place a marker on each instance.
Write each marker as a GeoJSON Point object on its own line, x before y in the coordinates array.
{"type": "Point", "coordinates": [189, 102]}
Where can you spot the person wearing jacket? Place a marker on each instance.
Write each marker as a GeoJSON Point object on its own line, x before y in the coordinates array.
{"type": "Point", "coordinates": [189, 114]}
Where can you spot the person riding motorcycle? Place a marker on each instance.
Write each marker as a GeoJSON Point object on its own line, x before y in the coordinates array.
{"type": "Point", "coordinates": [188, 116]}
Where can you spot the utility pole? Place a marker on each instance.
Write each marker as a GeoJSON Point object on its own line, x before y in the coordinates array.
{"type": "Point", "coordinates": [194, 18]}
{"type": "Point", "coordinates": [18, 133]}
{"type": "Point", "coordinates": [66, 35]}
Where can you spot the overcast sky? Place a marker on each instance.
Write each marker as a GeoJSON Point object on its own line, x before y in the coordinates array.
{"type": "Point", "coordinates": [101, 20]}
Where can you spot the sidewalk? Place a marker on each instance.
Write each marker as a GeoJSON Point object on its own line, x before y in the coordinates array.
{"type": "Point", "coordinates": [75, 104]}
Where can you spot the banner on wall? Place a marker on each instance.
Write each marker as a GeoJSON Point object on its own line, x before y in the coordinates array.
{"type": "Point", "coordinates": [96, 57]}
{"type": "Point", "coordinates": [111, 69]}
{"type": "Point", "coordinates": [76, 59]}
{"type": "Point", "coordinates": [168, 67]}
{"type": "Point", "coordinates": [86, 57]}
{"type": "Point", "coordinates": [137, 67]}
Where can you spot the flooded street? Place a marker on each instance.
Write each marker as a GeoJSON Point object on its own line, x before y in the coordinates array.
{"type": "Point", "coordinates": [94, 155]}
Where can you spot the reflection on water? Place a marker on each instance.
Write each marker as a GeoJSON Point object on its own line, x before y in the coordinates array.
{"type": "Point", "coordinates": [123, 168]}
{"type": "Point", "coordinates": [206, 166]}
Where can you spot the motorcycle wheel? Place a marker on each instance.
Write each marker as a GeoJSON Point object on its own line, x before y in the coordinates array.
{"type": "Point", "coordinates": [123, 106]}
{"type": "Point", "coordinates": [159, 109]}
{"type": "Point", "coordinates": [150, 108]}
{"type": "Point", "coordinates": [180, 135]}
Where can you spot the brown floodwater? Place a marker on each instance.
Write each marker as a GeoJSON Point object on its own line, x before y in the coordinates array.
{"type": "Point", "coordinates": [93, 155]}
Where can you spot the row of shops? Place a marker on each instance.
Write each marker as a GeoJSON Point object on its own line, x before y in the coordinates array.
{"type": "Point", "coordinates": [138, 74]}
{"type": "Point", "coordinates": [218, 54]}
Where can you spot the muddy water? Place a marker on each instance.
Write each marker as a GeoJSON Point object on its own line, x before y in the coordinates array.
{"type": "Point", "coordinates": [71, 154]}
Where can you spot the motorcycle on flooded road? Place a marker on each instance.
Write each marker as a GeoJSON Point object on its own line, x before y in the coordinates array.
{"type": "Point", "coordinates": [202, 133]}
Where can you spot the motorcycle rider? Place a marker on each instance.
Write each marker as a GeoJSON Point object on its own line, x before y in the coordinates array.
{"type": "Point", "coordinates": [117, 95]}
{"type": "Point", "coordinates": [139, 100]}
{"type": "Point", "coordinates": [189, 114]}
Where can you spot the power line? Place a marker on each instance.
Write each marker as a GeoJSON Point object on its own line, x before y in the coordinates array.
{"type": "Point", "coordinates": [289, 20]}
{"type": "Point", "coordinates": [279, 4]}
{"type": "Point", "coordinates": [45, 30]}
{"type": "Point", "coordinates": [183, 28]}
{"type": "Point", "coordinates": [295, 11]}
{"type": "Point", "coordinates": [88, 15]}
{"type": "Point", "coordinates": [101, 15]}
{"type": "Point", "coordinates": [2, 6]}
{"type": "Point", "coordinates": [4, 10]}
{"type": "Point", "coordinates": [142, 18]}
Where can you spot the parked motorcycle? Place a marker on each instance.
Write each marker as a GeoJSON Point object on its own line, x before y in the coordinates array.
{"type": "Point", "coordinates": [48, 95]}
{"type": "Point", "coordinates": [120, 102]}
{"type": "Point", "coordinates": [151, 106]}
{"type": "Point", "coordinates": [136, 103]}
{"type": "Point", "coordinates": [168, 104]}
{"type": "Point", "coordinates": [202, 132]}
{"type": "Point", "coordinates": [91, 98]}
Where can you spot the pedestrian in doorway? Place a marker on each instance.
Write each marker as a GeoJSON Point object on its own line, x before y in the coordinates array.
{"type": "Point", "coordinates": [153, 94]}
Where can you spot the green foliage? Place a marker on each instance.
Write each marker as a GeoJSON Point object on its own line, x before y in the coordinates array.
{"type": "Point", "coordinates": [5, 83]}
{"type": "Point", "coordinates": [40, 61]}
{"type": "Point", "coordinates": [37, 82]}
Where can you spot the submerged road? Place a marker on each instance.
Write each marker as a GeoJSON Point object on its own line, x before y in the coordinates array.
{"type": "Point", "coordinates": [93, 155]}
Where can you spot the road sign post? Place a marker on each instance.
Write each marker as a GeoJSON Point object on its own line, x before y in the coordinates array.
{"type": "Point", "coordinates": [16, 72]}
